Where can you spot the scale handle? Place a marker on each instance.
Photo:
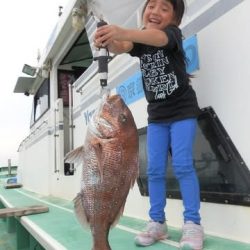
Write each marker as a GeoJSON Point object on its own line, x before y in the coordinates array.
{"type": "Point", "coordinates": [103, 60]}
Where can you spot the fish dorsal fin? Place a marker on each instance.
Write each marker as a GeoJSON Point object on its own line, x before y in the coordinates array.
{"type": "Point", "coordinates": [75, 156]}
{"type": "Point", "coordinates": [79, 210]}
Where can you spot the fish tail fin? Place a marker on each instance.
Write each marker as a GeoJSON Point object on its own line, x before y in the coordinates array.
{"type": "Point", "coordinates": [75, 156]}
{"type": "Point", "coordinates": [79, 211]}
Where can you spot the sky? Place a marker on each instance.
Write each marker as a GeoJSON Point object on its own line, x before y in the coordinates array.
{"type": "Point", "coordinates": [25, 27]}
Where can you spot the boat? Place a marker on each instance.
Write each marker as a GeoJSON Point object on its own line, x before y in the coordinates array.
{"type": "Point", "coordinates": [66, 90]}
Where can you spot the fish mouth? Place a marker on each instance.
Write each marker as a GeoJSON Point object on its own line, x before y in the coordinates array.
{"type": "Point", "coordinates": [98, 125]}
{"type": "Point", "coordinates": [102, 125]}
{"type": "Point", "coordinates": [93, 128]}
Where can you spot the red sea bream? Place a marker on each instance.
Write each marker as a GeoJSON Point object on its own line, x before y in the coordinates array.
{"type": "Point", "coordinates": [110, 168]}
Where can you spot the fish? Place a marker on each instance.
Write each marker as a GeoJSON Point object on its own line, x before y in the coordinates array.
{"type": "Point", "coordinates": [110, 167]}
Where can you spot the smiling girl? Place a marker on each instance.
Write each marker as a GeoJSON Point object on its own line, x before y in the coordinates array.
{"type": "Point", "coordinates": [172, 112]}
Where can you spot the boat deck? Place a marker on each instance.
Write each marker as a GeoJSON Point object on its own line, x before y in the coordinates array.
{"type": "Point", "coordinates": [59, 229]}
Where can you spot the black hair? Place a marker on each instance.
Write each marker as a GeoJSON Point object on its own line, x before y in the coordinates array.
{"type": "Point", "coordinates": [178, 6]}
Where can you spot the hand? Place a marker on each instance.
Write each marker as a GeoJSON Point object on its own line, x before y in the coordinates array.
{"type": "Point", "coordinates": [105, 35]}
{"type": "Point", "coordinates": [98, 44]}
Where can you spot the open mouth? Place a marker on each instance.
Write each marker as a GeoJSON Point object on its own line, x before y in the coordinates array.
{"type": "Point", "coordinates": [154, 21]}
{"type": "Point", "coordinates": [93, 127]}
{"type": "Point", "coordinates": [104, 123]}
{"type": "Point", "coordinates": [99, 125]}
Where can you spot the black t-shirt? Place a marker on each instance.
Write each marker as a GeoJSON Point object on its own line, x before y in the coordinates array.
{"type": "Point", "coordinates": [165, 81]}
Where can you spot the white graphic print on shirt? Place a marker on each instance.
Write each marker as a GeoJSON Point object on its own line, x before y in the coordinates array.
{"type": "Point", "coordinates": [156, 79]}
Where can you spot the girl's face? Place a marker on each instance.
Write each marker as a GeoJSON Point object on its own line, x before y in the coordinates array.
{"type": "Point", "coordinates": [158, 14]}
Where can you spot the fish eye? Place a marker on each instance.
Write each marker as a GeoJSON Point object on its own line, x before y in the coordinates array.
{"type": "Point", "coordinates": [122, 118]}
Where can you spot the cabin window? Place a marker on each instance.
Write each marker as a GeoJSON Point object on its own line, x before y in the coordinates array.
{"type": "Point", "coordinates": [223, 175]}
{"type": "Point", "coordinates": [41, 101]}
{"type": "Point", "coordinates": [73, 65]}
{"type": "Point", "coordinates": [79, 56]}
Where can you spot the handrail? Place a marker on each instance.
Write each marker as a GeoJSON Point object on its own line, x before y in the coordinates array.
{"type": "Point", "coordinates": [32, 133]}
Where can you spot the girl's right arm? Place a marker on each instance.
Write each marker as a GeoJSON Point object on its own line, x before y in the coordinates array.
{"type": "Point", "coordinates": [119, 47]}
{"type": "Point", "coordinates": [120, 40]}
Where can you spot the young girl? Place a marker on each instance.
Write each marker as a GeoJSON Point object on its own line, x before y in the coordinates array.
{"type": "Point", "coordinates": [172, 111]}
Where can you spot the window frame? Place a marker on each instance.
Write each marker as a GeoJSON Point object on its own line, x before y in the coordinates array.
{"type": "Point", "coordinates": [226, 153]}
{"type": "Point", "coordinates": [34, 119]}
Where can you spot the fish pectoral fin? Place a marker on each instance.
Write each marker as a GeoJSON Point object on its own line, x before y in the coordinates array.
{"type": "Point", "coordinates": [75, 156]}
{"type": "Point", "coordinates": [98, 150]}
{"type": "Point", "coordinates": [99, 155]}
{"type": "Point", "coordinates": [106, 151]}
{"type": "Point", "coordinates": [79, 210]}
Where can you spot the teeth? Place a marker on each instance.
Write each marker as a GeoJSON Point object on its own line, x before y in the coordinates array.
{"type": "Point", "coordinates": [93, 128]}
{"type": "Point", "coordinates": [154, 21]}
{"type": "Point", "coordinates": [95, 123]}
{"type": "Point", "coordinates": [105, 123]}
